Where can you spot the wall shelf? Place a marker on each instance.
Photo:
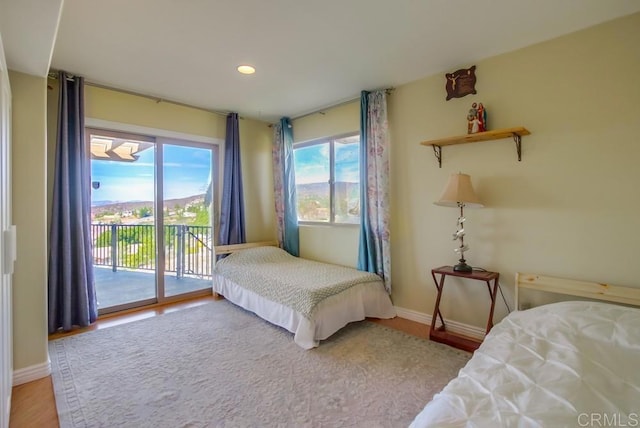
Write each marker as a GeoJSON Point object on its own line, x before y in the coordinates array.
{"type": "Point", "coordinates": [498, 134]}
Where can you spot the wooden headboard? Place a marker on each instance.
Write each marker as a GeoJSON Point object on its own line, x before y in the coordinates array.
{"type": "Point", "coordinates": [228, 249]}
{"type": "Point", "coordinates": [569, 287]}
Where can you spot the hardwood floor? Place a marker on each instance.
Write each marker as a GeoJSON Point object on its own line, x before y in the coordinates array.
{"type": "Point", "coordinates": [33, 404]}
{"type": "Point", "coordinates": [410, 327]}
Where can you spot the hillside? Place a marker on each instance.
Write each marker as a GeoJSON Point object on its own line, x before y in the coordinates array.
{"type": "Point", "coordinates": [99, 207]}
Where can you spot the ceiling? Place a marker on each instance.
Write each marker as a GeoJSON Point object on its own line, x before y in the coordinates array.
{"type": "Point", "coordinates": [309, 55]}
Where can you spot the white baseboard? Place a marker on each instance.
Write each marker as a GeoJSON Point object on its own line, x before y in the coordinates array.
{"type": "Point", "coordinates": [31, 373]}
{"type": "Point", "coordinates": [452, 326]}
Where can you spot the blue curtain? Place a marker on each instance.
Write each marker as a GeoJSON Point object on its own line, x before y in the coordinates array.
{"type": "Point", "coordinates": [71, 293]}
{"type": "Point", "coordinates": [285, 187]}
{"type": "Point", "coordinates": [291, 237]}
{"type": "Point", "coordinates": [374, 253]}
{"type": "Point", "coordinates": [232, 229]}
{"type": "Point", "coordinates": [366, 249]}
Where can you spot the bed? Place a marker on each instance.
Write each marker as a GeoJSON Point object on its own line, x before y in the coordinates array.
{"type": "Point", "coordinates": [310, 299]}
{"type": "Point", "coordinates": [565, 364]}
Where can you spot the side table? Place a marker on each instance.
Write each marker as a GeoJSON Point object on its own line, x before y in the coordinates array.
{"type": "Point", "coordinates": [440, 334]}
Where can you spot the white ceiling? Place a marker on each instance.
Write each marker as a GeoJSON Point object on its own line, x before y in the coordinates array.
{"type": "Point", "coordinates": [309, 54]}
{"type": "Point", "coordinates": [28, 29]}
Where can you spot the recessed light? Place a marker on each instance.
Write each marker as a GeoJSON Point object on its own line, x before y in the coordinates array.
{"type": "Point", "coordinates": [246, 69]}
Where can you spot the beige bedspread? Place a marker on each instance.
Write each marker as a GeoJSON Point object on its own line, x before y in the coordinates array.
{"type": "Point", "coordinates": [297, 283]}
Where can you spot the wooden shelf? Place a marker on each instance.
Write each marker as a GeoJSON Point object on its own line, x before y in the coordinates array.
{"type": "Point", "coordinates": [498, 134]}
{"type": "Point", "coordinates": [441, 335]}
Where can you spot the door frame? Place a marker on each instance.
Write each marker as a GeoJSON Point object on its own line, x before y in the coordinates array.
{"type": "Point", "coordinates": [193, 140]}
{"type": "Point", "coordinates": [160, 260]}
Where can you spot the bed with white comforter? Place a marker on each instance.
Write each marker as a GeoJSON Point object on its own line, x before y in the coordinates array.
{"type": "Point", "coordinates": [313, 300]}
{"type": "Point", "coordinates": [559, 365]}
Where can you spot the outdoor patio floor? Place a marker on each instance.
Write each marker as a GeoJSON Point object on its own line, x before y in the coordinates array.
{"type": "Point", "coordinates": [126, 286]}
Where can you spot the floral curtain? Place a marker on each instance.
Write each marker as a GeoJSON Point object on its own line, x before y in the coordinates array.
{"type": "Point", "coordinates": [374, 251]}
{"type": "Point", "coordinates": [285, 187]}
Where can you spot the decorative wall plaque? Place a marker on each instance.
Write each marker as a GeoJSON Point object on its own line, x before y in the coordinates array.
{"type": "Point", "coordinates": [461, 82]}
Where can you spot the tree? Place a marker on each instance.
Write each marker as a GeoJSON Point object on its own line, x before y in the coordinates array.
{"type": "Point", "coordinates": [144, 212]}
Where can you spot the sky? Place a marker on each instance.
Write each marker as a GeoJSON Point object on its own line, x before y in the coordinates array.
{"type": "Point", "coordinates": [312, 163]}
{"type": "Point", "coordinates": [187, 171]}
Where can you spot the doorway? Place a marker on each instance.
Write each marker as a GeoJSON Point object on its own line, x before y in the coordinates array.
{"type": "Point", "coordinates": [152, 206]}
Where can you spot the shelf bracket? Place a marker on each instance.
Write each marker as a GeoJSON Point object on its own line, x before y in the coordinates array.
{"type": "Point", "coordinates": [518, 140]}
{"type": "Point", "coordinates": [437, 150]}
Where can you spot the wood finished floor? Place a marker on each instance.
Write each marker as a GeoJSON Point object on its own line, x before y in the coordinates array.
{"type": "Point", "coordinates": [33, 404]}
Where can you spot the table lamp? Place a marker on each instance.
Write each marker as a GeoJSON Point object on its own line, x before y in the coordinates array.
{"type": "Point", "coordinates": [459, 193]}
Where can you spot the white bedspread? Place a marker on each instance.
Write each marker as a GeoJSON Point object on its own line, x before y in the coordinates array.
{"type": "Point", "coordinates": [565, 364]}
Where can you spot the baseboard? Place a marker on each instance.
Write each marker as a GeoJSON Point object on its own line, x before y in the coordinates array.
{"type": "Point", "coordinates": [412, 315]}
{"type": "Point", "coordinates": [452, 326]}
{"type": "Point", "coordinates": [31, 373]}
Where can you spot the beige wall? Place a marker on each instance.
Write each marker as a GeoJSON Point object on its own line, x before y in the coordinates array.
{"type": "Point", "coordinates": [257, 179]}
{"type": "Point", "coordinates": [331, 244]}
{"type": "Point", "coordinates": [339, 120]}
{"type": "Point", "coordinates": [120, 107]}
{"type": "Point", "coordinates": [52, 130]}
{"type": "Point", "coordinates": [569, 209]}
{"type": "Point", "coordinates": [29, 214]}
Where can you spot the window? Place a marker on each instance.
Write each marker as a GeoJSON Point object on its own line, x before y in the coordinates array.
{"type": "Point", "coordinates": [328, 180]}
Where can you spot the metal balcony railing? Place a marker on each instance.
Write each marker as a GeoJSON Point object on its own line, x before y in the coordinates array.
{"type": "Point", "coordinates": [188, 250]}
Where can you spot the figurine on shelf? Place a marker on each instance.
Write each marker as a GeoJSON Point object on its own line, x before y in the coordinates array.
{"type": "Point", "coordinates": [473, 114]}
{"type": "Point", "coordinates": [476, 119]}
{"type": "Point", "coordinates": [482, 117]}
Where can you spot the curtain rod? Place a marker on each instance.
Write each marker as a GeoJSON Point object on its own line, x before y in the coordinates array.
{"type": "Point", "coordinates": [321, 111]}
{"type": "Point", "coordinates": [54, 75]}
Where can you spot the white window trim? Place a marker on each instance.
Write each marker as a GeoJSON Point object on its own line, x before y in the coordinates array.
{"type": "Point", "coordinates": [332, 213]}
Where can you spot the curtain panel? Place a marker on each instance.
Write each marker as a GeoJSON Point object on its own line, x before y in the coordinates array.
{"type": "Point", "coordinates": [232, 224]}
{"type": "Point", "coordinates": [374, 254]}
{"type": "Point", "coordinates": [284, 185]}
{"type": "Point", "coordinates": [71, 288]}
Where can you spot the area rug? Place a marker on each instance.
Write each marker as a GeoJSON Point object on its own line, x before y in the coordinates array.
{"type": "Point", "coordinates": [217, 365]}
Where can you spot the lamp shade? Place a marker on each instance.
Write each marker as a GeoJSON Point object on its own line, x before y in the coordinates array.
{"type": "Point", "coordinates": [459, 191]}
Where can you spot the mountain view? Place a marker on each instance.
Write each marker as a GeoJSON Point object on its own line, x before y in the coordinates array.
{"type": "Point", "coordinates": [189, 210]}
{"type": "Point", "coordinates": [314, 205]}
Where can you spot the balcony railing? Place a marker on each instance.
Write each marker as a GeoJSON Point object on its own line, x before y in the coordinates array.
{"type": "Point", "coordinates": [187, 250]}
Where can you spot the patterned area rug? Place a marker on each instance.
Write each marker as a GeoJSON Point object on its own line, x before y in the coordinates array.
{"type": "Point", "coordinates": [217, 365]}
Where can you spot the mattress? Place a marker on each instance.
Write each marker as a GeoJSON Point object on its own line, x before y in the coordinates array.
{"type": "Point", "coordinates": [271, 290]}
{"type": "Point", "coordinates": [559, 365]}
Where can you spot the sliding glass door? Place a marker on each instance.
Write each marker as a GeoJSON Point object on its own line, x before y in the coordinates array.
{"type": "Point", "coordinates": [123, 220]}
{"type": "Point", "coordinates": [187, 208]}
{"type": "Point", "coordinates": [151, 218]}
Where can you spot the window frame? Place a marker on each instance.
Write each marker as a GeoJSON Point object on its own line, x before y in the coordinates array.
{"type": "Point", "coordinates": [332, 211]}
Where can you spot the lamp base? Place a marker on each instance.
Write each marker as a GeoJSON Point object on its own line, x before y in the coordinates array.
{"type": "Point", "coordinates": [462, 267]}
